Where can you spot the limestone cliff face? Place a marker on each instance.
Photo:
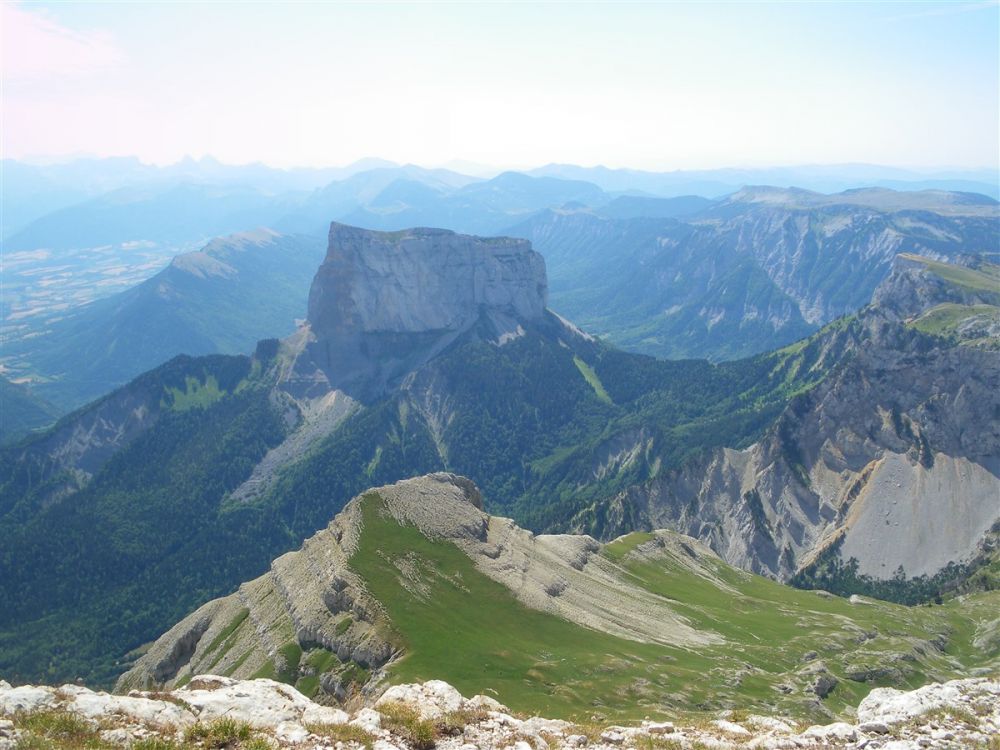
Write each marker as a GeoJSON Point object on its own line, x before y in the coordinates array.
{"type": "Point", "coordinates": [315, 600]}
{"type": "Point", "coordinates": [383, 303]}
{"type": "Point", "coordinates": [893, 460]}
{"type": "Point", "coordinates": [913, 287]}
{"type": "Point", "coordinates": [896, 454]}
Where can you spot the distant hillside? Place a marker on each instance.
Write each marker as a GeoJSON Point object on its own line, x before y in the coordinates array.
{"type": "Point", "coordinates": [756, 271]}
{"type": "Point", "coordinates": [429, 351]}
{"type": "Point", "coordinates": [174, 488]}
{"type": "Point", "coordinates": [21, 411]}
{"type": "Point", "coordinates": [871, 479]}
{"type": "Point", "coordinates": [833, 178]}
{"type": "Point", "coordinates": [634, 206]}
{"type": "Point", "coordinates": [395, 199]}
{"type": "Point", "coordinates": [222, 298]}
{"type": "Point", "coordinates": [173, 213]}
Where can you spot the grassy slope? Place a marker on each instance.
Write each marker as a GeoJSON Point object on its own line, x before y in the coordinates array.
{"type": "Point", "coordinates": [457, 624]}
{"type": "Point", "coordinates": [986, 278]}
{"type": "Point", "coordinates": [946, 320]}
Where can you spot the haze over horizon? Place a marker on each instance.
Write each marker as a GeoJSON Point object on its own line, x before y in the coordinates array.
{"type": "Point", "coordinates": [653, 87]}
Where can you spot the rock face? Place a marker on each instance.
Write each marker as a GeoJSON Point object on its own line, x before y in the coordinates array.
{"type": "Point", "coordinates": [830, 252]}
{"type": "Point", "coordinates": [383, 303]}
{"type": "Point", "coordinates": [316, 599]}
{"type": "Point", "coordinates": [956, 714]}
{"type": "Point", "coordinates": [913, 287]}
{"type": "Point", "coordinates": [415, 576]}
{"type": "Point", "coordinates": [900, 439]}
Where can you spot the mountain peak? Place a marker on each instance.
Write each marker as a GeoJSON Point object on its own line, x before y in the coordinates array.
{"type": "Point", "coordinates": [422, 280]}
{"type": "Point", "coordinates": [382, 303]}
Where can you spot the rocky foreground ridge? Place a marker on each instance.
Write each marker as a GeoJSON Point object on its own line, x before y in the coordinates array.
{"type": "Point", "coordinates": [220, 712]}
{"type": "Point", "coordinates": [413, 581]}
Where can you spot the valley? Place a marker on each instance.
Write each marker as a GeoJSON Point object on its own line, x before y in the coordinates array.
{"type": "Point", "coordinates": [499, 375]}
{"type": "Point", "coordinates": [684, 276]}
{"type": "Point", "coordinates": [559, 430]}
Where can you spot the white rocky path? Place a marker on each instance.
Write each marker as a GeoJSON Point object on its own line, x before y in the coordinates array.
{"type": "Point", "coordinates": [957, 714]}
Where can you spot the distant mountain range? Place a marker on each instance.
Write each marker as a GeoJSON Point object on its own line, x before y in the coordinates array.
{"type": "Point", "coordinates": [675, 277]}
{"type": "Point", "coordinates": [832, 178]}
{"type": "Point", "coordinates": [758, 270]}
{"type": "Point", "coordinates": [31, 190]}
{"type": "Point", "coordinates": [428, 351]}
{"type": "Point", "coordinates": [221, 299]}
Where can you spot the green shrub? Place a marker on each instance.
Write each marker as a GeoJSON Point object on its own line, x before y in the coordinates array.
{"type": "Point", "coordinates": [343, 733]}
{"type": "Point", "coordinates": [56, 730]}
{"type": "Point", "coordinates": [220, 734]}
{"type": "Point", "coordinates": [454, 723]}
{"type": "Point", "coordinates": [404, 721]}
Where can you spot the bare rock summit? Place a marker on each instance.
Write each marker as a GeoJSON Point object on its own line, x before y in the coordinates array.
{"type": "Point", "coordinates": [383, 303]}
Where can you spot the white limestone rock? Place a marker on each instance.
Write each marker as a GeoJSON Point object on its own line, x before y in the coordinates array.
{"type": "Point", "coordinates": [891, 706]}
{"type": "Point", "coordinates": [770, 724]}
{"type": "Point", "coordinates": [291, 732]}
{"type": "Point", "coordinates": [316, 714]}
{"type": "Point", "coordinates": [837, 732]}
{"type": "Point", "coordinates": [659, 727]}
{"type": "Point", "coordinates": [732, 728]}
{"type": "Point", "coordinates": [536, 725]}
{"type": "Point", "coordinates": [261, 703]}
{"type": "Point", "coordinates": [486, 703]}
{"type": "Point", "coordinates": [367, 719]}
{"type": "Point", "coordinates": [142, 710]}
{"type": "Point", "coordinates": [431, 700]}
{"type": "Point", "coordinates": [26, 698]}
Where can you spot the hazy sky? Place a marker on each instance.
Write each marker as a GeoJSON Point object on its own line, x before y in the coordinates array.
{"type": "Point", "coordinates": [655, 85]}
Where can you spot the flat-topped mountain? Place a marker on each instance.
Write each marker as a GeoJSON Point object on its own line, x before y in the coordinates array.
{"type": "Point", "coordinates": [422, 280]}
{"type": "Point", "coordinates": [382, 303]}
{"type": "Point", "coordinates": [883, 199]}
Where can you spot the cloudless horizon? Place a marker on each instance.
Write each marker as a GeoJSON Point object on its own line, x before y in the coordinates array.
{"type": "Point", "coordinates": [645, 86]}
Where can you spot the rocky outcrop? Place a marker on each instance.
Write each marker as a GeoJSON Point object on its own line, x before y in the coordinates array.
{"type": "Point", "coordinates": [956, 714]}
{"type": "Point", "coordinates": [914, 287]}
{"type": "Point", "coordinates": [383, 303]}
{"type": "Point", "coordinates": [313, 603]}
{"type": "Point", "coordinates": [900, 439]}
{"type": "Point", "coordinates": [830, 252]}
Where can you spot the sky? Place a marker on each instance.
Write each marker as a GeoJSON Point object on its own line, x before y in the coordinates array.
{"type": "Point", "coordinates": [652, 85]}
